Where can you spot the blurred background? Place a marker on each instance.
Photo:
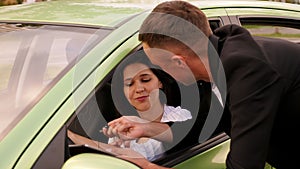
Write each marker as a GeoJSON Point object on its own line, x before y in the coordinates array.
{"type": "Point", "coordinates": [15, 2]}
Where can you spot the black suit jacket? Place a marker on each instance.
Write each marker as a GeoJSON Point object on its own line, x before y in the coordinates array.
{"type": "Point", "coordinates": [263, 97]}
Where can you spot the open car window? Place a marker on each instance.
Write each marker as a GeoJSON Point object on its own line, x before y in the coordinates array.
{"type": "Point", "coordinates": [99, 109]}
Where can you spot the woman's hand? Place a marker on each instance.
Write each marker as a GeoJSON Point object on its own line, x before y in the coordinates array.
{"type": "Point", "coordinates": [116, 141]}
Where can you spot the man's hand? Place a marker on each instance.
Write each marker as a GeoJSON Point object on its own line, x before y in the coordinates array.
{"type": "Point", "coordinates": [133, 127]}
{"type": "Point", "coordinates": [126, 128]}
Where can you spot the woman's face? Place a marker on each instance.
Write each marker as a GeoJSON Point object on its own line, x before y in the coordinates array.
{"type": "Point", "coordinates": [141, 86]}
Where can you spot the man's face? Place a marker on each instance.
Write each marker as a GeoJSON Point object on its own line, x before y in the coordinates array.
{"type": "Point", "coordinates": [170, 63]}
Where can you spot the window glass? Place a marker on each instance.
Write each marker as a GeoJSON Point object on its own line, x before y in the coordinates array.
{"type": "Point", "coordinates": [273, 27]}
{"type": "Point", "coordinates": [287, 33]}
{"type": "Point", "coordinates": [6, 62]}
{"type": "Point", "coordinates": [214, 24]}
{"type": "Point", "coordinates": [31, 57]}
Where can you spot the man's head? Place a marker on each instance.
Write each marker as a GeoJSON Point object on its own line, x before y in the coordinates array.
{"type": "Point", "coordinates": [174, 35]}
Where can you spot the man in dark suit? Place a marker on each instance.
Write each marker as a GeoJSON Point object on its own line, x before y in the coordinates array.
{"type": "Point", "coordinates": [256, 81]}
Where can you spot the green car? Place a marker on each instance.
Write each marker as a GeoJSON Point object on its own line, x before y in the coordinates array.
{"type": "Point", "coordinates": [57, 59]}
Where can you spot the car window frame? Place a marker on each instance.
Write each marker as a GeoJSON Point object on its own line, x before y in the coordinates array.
{"type": "Point", "coordinates": [185, 154]}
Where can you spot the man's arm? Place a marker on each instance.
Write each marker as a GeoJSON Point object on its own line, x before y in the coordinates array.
{"type": "Point", "coordinates": [132, 127]}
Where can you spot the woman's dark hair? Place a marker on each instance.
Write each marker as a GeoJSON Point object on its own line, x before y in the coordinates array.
{"type": "Point", "coordinates": [169, 94]}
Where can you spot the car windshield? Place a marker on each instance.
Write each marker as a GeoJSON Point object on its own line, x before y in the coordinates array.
{"type": "Point", "coordinates": [32, 58]}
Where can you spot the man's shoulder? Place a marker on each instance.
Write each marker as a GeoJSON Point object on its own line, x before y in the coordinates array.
{"type": "Point", "coordinates": [230, 30]}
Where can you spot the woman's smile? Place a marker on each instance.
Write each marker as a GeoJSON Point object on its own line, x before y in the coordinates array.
{"type": "Point", "coordinates": [142, 98]}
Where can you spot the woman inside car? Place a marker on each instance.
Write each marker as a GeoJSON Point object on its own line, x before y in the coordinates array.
{"type": "Point", "coordinates": [144, 93]}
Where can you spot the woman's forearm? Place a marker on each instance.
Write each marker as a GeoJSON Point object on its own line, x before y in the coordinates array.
{"type": "Point", "coordinates": [78, 139]}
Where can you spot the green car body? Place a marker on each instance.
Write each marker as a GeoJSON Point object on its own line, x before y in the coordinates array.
{"type": "Point", "coordinates": [25, 140]}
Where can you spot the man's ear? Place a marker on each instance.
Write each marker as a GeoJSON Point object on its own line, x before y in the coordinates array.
{"type": "Point", "coordinates": [178, 60]}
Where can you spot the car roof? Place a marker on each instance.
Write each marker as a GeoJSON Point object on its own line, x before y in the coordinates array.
{"type": "Point", "coordinates": [81, 12]}
{"type": "Point", "coordinates": [102, 13]}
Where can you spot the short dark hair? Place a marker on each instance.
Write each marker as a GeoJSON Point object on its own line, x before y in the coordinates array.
{"type": "Point", "coordinates": [181, 9]}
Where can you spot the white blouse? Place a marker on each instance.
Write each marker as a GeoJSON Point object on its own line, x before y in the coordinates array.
{"type": "Point", "coordinates": [153, 149]}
